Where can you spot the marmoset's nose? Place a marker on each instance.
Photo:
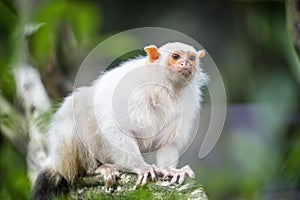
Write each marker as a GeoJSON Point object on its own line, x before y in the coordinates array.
{"type": "Point", "coordinates": [184, 63]}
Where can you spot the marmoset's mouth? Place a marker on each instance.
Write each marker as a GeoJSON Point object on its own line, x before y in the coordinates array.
{"type": "Point", "coordinates": [186, 72]}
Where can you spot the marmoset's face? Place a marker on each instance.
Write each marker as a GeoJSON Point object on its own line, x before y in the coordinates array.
{"type": "Point", "coordinates": [181, 66]}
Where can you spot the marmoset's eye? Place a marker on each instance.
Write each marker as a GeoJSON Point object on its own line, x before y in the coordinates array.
{"type": "Point", "coordinates": [192, 58]}
{"type": "Point", "coordinates": [175, 56]}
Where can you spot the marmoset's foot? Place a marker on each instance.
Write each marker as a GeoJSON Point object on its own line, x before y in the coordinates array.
{"type": "Point", "coordinates": [151, 171]}
{"type": "Point", "coordinates": [177, 175]}
{"type": "Point", "coordinates": [110, 175]}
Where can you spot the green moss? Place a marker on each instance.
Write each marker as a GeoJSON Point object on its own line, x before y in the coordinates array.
{"type": "Point", "coordinates": [191, 189]}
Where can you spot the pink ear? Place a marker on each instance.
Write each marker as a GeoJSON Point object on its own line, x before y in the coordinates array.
{"type": "Point", "coordinates": [201, 53]}
{"type": "Point", "coordinates": [152, 53]}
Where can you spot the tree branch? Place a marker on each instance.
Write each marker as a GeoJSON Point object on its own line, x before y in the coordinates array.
{"type": "Point", "coordinates": [35, 101]}
{"type": "Point", "coordinates": [13, 126]}
{"type": "Point", "coordinates": [92, 187]}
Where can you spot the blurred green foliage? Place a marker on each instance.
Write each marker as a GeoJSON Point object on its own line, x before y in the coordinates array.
{"type": "Point", "coordinates": [70, 27]}
{"type": "Point", "coordinates": [14, 182]}
{"type": "Point", "coordinates": [8, 21]}
{"type": "Point", "coordinates": [291, 166]}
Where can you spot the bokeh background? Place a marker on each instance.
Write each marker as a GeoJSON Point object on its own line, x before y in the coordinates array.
{"type": "Point", "coordinates": [258, 153]}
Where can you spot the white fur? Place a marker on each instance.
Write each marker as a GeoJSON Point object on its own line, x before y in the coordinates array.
{"type": "Point", "coordinates": [129, 110]}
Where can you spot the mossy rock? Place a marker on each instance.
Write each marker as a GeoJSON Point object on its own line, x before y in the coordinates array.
{"type": "Point", "coordinates": [92, 187]}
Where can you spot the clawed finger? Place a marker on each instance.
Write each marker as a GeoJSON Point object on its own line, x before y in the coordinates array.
{"type": "Point", "coordinates": [181, 178]}
{"type": "Point", "coordinates": [166, 176]}
{"type": "Point", "coordinates": [153, 176]}
{"type": "Point", "coordinates": [188, 172]}
{"type": "Point", "coordinates": [174, 179]}
{"type": "Point", "coordinates": [145, 176]}
{"type": "Point", "coordinates": [140, 178]}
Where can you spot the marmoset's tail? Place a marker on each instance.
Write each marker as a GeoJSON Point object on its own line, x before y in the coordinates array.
{"type": "Point", "coordinates": [49, 184]}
